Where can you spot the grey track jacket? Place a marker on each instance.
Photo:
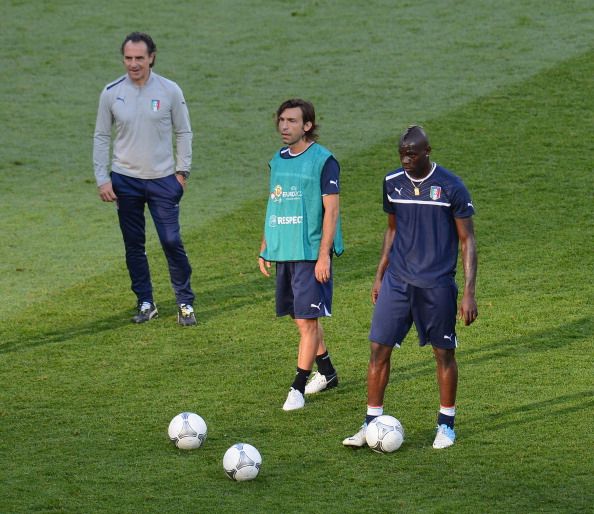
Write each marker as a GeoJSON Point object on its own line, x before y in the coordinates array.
{"type": "Point", "coordinates": [145, 119]}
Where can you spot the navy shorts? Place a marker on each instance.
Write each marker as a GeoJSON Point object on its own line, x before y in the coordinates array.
{"type": "Point", "coordinates": [299, 294]}
{"type": "Point", "coordinates": [399, 305]}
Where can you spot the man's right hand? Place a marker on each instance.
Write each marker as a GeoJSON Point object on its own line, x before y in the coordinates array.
{"type": "Point", "coordinates": [264, 266]}
{"type": "Point", "coordinates": [262, 263]}
{"type": "Point", "coordinates": [106, 192]}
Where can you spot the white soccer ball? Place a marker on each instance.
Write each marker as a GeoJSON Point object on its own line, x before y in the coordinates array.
{"type": "Point", "coordinates": [242, 462]}
{"type": "Point", "coordinates": [385, 434]}
{"type": "Point", "coordinates": [187, 431]}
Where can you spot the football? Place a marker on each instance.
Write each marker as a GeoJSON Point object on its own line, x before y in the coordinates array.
{"type": "Point", "coordinates": [242, 462]}
{"type": "Point", "coordinates": [187, 431]}
{"type": "Point", "coordinates": [384, 434]}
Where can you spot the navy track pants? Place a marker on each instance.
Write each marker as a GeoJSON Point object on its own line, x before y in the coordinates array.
{"type": "Point", "coordinates": [162, 197]}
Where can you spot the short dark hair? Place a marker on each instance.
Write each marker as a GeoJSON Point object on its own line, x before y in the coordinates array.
{"type": "Point", "coordinates": [137, 37]}
{"type": "Point", "coordinates": [307, 111]}
{"type": "Point", "coordinates": [413, 131]}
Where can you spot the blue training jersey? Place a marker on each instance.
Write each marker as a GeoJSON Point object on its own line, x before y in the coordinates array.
{"type": "Point", "coordinates": [425, 248]}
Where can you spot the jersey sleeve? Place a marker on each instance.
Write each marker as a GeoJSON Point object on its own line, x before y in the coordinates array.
{"type": "Point", "coordinates": [388, 206]}
{"type": "Point", "coordinates": [329, 181]}
{"type": "Point", "coordinates": [461, 202]}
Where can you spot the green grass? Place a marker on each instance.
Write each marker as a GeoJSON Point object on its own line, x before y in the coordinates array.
{"type": "Point", "coordinates": [504, 90]}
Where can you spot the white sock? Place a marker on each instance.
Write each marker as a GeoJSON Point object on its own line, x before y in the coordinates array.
{"type": "Point", "coordinates": [375, 411]}
{"type": "Point", "coordinates": [448, 411]}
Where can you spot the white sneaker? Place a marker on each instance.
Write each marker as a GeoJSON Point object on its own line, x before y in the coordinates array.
{"type": "Point", "coordinates": [319, 382]}
{"type": "Point", "coordinates": [294, 401]}
{"type": "Point", "coordinates": [445, 437]}
{"type": "Point", "coordinates": [358, 440]}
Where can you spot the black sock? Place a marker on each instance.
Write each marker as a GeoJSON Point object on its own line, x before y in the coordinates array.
{"type": "Point", "coordinates": [442, 419]}
{"type": "Point", "coordinates": [300, 379]}
{"type": "Point", "coordinates": [325, 364]}
{"type": "Point", "coordinates": [369, 418]}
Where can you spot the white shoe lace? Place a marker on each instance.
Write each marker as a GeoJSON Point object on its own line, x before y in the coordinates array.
{"type": "Point", "coordinates": [186, 309]}
{"type": "Point", "coordinates": [145, 306]}
{"type": "Point", "coordinates": [317, 378]}
{"type": "Point", "coordinates": [294, 398]}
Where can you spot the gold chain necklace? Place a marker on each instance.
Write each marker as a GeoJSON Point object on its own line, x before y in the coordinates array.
{"type": "Point", "coordinates": [416, 188]}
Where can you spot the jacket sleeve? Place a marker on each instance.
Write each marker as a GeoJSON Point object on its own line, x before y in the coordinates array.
{"type": "Point", "coordinates": [102, 140]}
{"type": "Point", "coordinates": [182, 130]}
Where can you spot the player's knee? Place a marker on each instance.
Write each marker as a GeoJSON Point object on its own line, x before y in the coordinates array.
{"type": "Point", "coordinates": [171, 242]}
{"type": "Point", "coordinates": [307, 327]}
{"type": "Point", "coordinates": [445, 358]}
{"type": "Point", "coordinates": [380, 355]}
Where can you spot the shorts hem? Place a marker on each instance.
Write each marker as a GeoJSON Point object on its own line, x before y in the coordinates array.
{"type": "Point", "coordinates": [441, 347]}
{"type": "Point", "coordinates": [390, 345]}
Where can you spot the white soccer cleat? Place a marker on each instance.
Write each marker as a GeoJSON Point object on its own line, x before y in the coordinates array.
{"type": "Point", "coordinates": [294, 401]}
{"type": "Point", "coordinates": [358, 440]}
{"type": "Point", "coordinates": [444, 438]}
{"type": "Point", "coordinates": [319, 382]}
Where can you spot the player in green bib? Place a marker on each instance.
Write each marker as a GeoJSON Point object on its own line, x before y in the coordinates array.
{"type": "Point", "coordinates": [301, 233]}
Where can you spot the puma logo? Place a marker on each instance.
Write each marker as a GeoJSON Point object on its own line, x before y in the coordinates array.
{"type": "Point", "coordinates": [318, 306]}
{"type": "Point", "coordinates": [449, 337]}
{"type": "Point", "coordinates": [398, 190]}
{"type": "Point", "coordinates": [335, 182]}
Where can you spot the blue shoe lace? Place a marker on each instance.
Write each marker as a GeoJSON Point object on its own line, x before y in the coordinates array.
{"type": "Point", "coordinates": [447, 431]}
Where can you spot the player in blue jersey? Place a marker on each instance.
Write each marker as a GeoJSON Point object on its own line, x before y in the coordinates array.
{"type": "Point", "coordinates": [429, 214]}
{"type": "Point", "coordinates": [302, 231]}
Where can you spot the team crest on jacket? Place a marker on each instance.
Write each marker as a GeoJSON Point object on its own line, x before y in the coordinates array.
{"type": "Point", "coordinates": [435, 192]}
{"type": "Point", "coordinates": [155, 105]}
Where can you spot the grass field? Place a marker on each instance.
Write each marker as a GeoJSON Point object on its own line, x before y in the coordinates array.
{"type": "Point", "coordinates": [506, 92]}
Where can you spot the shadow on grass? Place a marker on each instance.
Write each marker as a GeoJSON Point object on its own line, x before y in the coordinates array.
{"type": "Point", "coordinates": [579, 331]}
{"type": "Point", "coordinates": [536, 413]}
{"type": "Point", "coordinates": [23, 332]}
{"type": "Point", "coordinates": [23, 338]}
{"type": "Point", "coordinates": [225, 297]}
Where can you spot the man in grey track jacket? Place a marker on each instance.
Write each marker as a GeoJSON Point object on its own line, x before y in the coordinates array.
{"type": "Point", "coordinates": [147, 110]}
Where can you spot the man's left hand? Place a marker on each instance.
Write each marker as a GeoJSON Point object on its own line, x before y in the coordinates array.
{"type": "Point", "coordinates": [468, 311]}
{"type": "Point", "coordinates": [322, 270]}
{"type": "Point", "coordinates": [181, 180]}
